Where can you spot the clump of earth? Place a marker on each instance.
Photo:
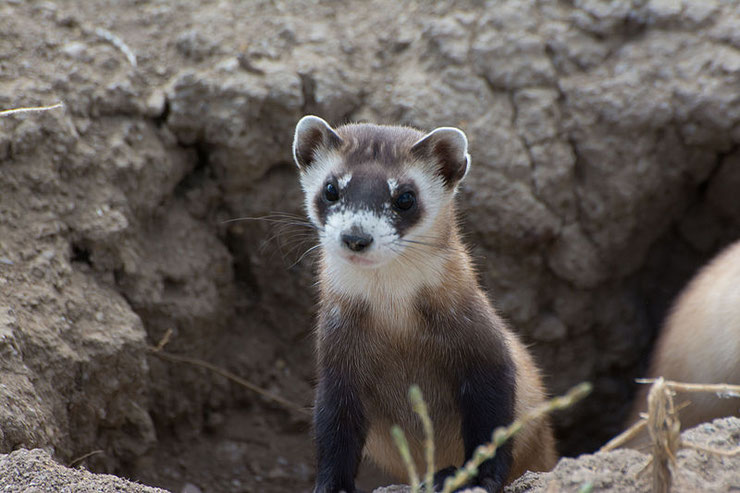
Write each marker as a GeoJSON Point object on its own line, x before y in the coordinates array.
{"type": "Point", "coordinates": [621, 470]}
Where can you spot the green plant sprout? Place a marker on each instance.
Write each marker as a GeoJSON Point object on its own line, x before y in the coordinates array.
{"type": "Point", "coordinates": [484, 452]}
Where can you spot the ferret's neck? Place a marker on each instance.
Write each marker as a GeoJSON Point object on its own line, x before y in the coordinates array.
{"type": "Point", "coordinates": [393, 288]}
{"type": "Point", "coordinates": [399, 280]}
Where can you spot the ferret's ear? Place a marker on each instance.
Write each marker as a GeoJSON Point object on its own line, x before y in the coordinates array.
{"type": "Point", "coordinates": [311, 134]}
{"type": "Point", "coordinates": [448, 148]}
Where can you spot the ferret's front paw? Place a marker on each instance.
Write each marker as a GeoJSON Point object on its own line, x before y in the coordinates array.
{"type": "Point", "coordinates": [441, 475]}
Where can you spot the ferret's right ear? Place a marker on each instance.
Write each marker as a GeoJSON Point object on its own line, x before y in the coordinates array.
{"type": "Point", "coordinates": [311, 134]}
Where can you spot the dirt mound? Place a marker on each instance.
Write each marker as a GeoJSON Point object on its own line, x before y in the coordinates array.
{"type": "Point", "coordinates": [628, 471]}
{"type": "Point", "coordinates": [623, 470]}
{"type": "Point", "coordinates": [34, 471]}
{"type": "Point", "coordinates": [605, 154]}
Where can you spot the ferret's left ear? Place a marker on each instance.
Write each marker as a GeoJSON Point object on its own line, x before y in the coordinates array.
{"type": "Point", "coordinates": [448, 148]}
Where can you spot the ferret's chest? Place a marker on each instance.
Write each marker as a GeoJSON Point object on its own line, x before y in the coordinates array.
{"type": "Point", "coordinates": [388, 342]}
{"type": "Point", "coordinates": [395, 352]}
{"type": "Point", "coordinates": [393, 322]}
{"type": "Point", "coordinates": [385, 376]}
{"type": "Point", "coordinates": [386, 353]}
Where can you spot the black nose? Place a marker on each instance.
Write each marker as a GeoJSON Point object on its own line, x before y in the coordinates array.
{"type": "Point", "coordinates": [357, 242]}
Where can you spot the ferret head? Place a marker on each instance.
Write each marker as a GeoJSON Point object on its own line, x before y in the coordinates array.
{"type": "Point", "coordinates": [375, 191]}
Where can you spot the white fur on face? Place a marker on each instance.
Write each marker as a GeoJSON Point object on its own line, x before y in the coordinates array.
{"type": "Point", "coordinates": [390, 287]}
{"type": "Point", "coordinates": [313, 180]}
{"type": "Point", "coordinates": [343, 180]}
{"type": "Point", "coordinates": [434, 196]}
{"type": "Point", "coordinates": [380, 251]}
{"type": "Point", "coordinates": [389, 272]}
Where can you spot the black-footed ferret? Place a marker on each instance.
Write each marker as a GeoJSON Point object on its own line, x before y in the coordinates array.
{"type": "Point", "coordinates": [400, 304]}
{"type": "Point", "coordinates": [700, 341]}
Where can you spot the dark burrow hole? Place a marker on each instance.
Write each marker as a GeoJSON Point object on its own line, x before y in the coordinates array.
{"type": "Point", "coordinates": [201, 173]}
{"type": "Point", "coordinates": [81, 253]}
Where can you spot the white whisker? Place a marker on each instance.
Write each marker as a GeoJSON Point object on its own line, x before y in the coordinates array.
{"type": "Point", "coordinates": [304, 255]}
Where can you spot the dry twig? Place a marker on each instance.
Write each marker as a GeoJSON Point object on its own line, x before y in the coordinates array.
{"type": "Point", "coordinates": [665, 433]}
{"type": "Point", "coordinates": [711, 450]}
{"type": "Point", "coordinates": [83, 457]}
{"type": "Point", "coordinates": [117, 43]}
{"type": "Point", "coordinates": [157, 351]}
{"type": "Point", "coordinates": [723, 390]}
{"type": "Point", "coordinates": [31, 109]}
{"type": "Point", "coordinates": [664, 427]}
{"type": "Point", "coordinates": [625, 436]}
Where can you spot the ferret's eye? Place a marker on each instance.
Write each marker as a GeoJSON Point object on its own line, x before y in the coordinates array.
{"type": "Point", "coordinates": [405, 201]}
{"type": "Point", "coordinates": [331, 194]}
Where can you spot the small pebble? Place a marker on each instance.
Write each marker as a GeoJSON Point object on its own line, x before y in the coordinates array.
{"type": "Point", "coordinates": [190, 488]}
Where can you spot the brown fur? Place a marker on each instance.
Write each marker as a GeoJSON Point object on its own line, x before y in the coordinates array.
{"type": "Point", "coordinates": [418, 316]}
{"type": "Point", "coordinates": [407, 353]}
{"type": "Point", "coordinates": [700, 341]}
